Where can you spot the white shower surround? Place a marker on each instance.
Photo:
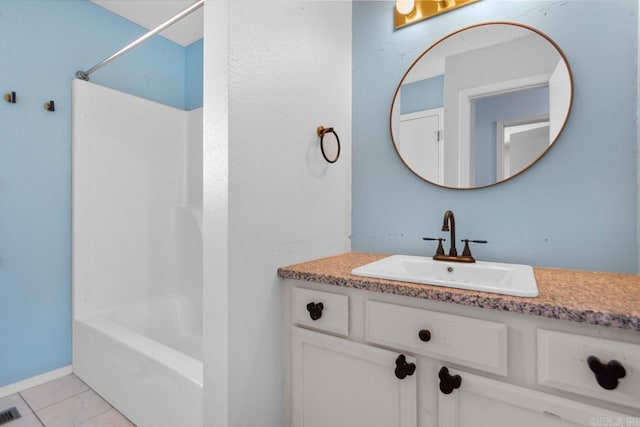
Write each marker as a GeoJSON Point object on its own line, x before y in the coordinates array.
{"type": "Point", "coordinates": [137, 254]}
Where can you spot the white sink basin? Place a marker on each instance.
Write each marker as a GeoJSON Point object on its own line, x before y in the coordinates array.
{"type": "Point", "coordinates": [495, 277]}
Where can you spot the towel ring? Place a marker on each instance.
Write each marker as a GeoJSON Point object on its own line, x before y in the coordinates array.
{"type": "Point", "coordinates": [322, 131]}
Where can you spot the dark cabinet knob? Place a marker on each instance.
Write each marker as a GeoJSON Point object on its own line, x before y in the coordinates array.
{"type": "Point", "coordinates": [607, 374]}
{"type": "Point", "coordinates": [315, 310]}
{"type": "Point", "coordinates": [404, 369]}
{"type": "Point", "coordinates": [424, 335]}
{"type": "Point", "coordinates": [448, 382]}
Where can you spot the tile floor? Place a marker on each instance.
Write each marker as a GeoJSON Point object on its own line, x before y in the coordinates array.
{"type": "Point", "coordinates": [65, 402]}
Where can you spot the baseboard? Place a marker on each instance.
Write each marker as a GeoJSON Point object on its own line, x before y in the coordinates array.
{"type": "Point", "coordinates": [34, 381]}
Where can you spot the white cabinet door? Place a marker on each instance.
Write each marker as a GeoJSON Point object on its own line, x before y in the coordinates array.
{"type": "Point", "coordinates": [483, 402]}
{"type": "Point", "coordinates": [340, 383]}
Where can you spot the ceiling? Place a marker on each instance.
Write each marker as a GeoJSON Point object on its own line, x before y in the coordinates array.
{"type": "Point", "coordinates": [151, 13]}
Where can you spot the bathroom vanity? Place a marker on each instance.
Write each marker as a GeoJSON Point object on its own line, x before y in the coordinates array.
{"type": "Point", "coordinates": [374, 352]}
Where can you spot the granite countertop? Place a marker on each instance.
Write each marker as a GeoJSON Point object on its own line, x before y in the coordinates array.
{"type": "Point", "coordinates": [607, 299]}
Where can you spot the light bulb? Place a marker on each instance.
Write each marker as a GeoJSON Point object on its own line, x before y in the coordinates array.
{"type": "Point", "coordinates": [405, 7]}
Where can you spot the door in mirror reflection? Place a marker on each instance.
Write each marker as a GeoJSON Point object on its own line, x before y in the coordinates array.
{"type": "Point", "coordinates": [519, 145]}
{"type": "Point", "coordinates": [420, 139]}
{"type": "Point", "coordinates": [490, 114]}
{"type": "Point", "coordinates": [479, 81]}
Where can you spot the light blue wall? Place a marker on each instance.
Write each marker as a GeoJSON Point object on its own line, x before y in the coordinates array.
{"type": "Point", "coordinates": [422, 95]}
{"type": "Point", "coordinates": [576, 208]}
{"type": "Point", "coordinates": [488, 111]}
{"type": "Point", "coordinates": [42, 45]}
{"type": "Point", "coordinates": [193, 73]}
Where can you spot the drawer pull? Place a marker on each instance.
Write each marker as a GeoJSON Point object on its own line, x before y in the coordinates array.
{"type": "Point", "coordinates": [425, 335]}
{"type": "Point", "coordinates": [404, 369]}
{"type": "Point", "coordinates": [448, 382]}
{"type": "Point", "coordinates": [607, 374]}
{"type": "Point", "coordinates": [315, 310]}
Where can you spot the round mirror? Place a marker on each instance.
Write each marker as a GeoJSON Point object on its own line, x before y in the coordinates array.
{"type": "Point", "coordinates": [481, 105]}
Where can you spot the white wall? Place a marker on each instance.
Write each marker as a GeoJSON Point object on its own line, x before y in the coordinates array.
{"type": "Point", "coordinates": [128, 190]}
{"type": "Point", "coordinates": [289, 70]}
{"type": "Point", "coordinates": [560, 91]}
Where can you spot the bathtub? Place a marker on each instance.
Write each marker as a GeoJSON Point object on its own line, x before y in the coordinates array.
{"type": "Point", "coordinates": [145, 359]}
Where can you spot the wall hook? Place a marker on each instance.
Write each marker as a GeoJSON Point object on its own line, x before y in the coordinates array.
{"type": "Point", "coordinates": [322, 132]}
{"type": "Point", "coordinates": [50, 106]}
{"type": "Point", "coordinates": [11, 97]}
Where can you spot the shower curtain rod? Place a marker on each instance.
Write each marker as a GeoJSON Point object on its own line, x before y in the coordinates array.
{"type": "Point", "coordinates": [84, 75]}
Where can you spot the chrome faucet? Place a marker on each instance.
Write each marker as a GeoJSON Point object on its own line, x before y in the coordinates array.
{"type": "Point", "coordinates": [449, 224]}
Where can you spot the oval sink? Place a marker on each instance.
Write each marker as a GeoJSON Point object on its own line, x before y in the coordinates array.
{"type": "Point", "coordinates": [494, 277]}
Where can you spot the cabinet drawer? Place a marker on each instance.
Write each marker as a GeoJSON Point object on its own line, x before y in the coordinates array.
{"type": "Point", "coordinates": [331, 311]}
{"type": "Point", "coordinates": [475, 343]}
{"type": "Point", "coordinates": [562, 364]}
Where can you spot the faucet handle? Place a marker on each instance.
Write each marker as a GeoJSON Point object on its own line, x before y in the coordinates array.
{"type": "Point", "coordinates": [440, 250]}
{"type": "Point", "coordinates": [466, 251]}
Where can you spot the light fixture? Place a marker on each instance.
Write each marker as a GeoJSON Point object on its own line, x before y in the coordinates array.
{"type": "Point", "coordinates": [405, 7]}
{"type": "Point", "coordinates": [409, 12]}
